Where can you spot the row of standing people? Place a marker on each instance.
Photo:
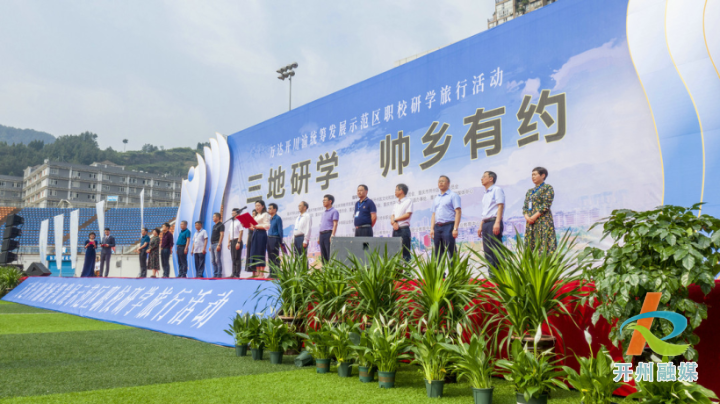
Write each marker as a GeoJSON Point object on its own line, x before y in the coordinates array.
{"type": "Point", "coordinates": [267, 235]}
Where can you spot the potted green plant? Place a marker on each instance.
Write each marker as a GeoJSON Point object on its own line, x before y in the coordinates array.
{"type": "Point", "coordinates": [530, 287]}
{"type": "Point", "coordinates": [596, 380]}
{"type": "Point", "coordinates": [9, 279]}
{"type": "Point", "coordinates": [662, 250]}
{"type": "Point", "coordinates": [389, 346]}
{"type": "Point", "coordinates": [374, 282]}
{"type": "Point", "coordinates": [363, 355]}
{"type": "Point", "coordinates": [254, 336]}
{"type": "Point", "coordinates": [327, 291]}
{"type": "Point", "coordinates": [474, 361]}
{"type": "Point", "coordinates": [431, 356]}
{"type": "Point", "coordinates": [532, 372]}
{"type": "Point", "coordinates": [671, 392]}
{"type": "Point", "coordinates": [341, 346]}
{"type": "Point", "coordinates": [277, 337]}
{"type": "Point", "coordinates": [442, 290]}
{"type": "Point", "coordinates": [317, 343]}
{"type": "Point", "coordinates": [239, 331]}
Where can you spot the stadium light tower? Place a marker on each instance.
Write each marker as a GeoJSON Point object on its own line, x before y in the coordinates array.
{"type": "Point", "coordinates": [287, 72]}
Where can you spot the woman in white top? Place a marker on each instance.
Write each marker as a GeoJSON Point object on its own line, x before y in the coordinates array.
{"type": "Point", "coordinates": [259, 241]}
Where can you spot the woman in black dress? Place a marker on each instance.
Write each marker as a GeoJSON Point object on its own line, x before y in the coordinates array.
{"type": "Point", "coordinates": [248, 247]}
{"type": "Point", "coordinates": [89, 264]}
{"type": "Point", "coordinates": [154, 253]}
{"type": "Point", "coordinates": [259, 240]}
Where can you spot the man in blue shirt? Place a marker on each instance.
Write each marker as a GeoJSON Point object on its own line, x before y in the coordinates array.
{"type": "Point", "coordinates": [142, 251]}
{"type": "Point", "coordinates": [493, 204]}
{"type": "Point", "coordinates": [275, 238]}
{"type": "Point", "coordinates": [365, 213]}
{"type": "Point", "coordinates": [182, 250]}
{"type": "Point", "coordinates": [445, 221]}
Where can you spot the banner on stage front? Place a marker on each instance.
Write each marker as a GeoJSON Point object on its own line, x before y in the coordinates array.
{"type": "Point", "coordinates": [192, 308]}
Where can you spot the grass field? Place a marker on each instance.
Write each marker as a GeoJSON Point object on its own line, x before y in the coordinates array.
{"type": "Point", "coordinates": [48, 357]}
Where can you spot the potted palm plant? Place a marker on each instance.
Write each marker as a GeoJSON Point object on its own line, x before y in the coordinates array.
{"type": "Point", "coordinates": [530, 287]}
{"type": "Point", "coordinates": [239, 331]}
{"type": "Point", "coordinates": [362, 353]}
{"type": "Point", "coordinates": [277, 337]}
{"type": "Point", "coordinates": [389, 346]}
{"type": "Point", "coordinates": [254, 336]}
{"type": "Point", "coordinates": [341, 346]}
{"type": "Point", "coordinates": [443, 291]}
{"type": "Point", "coordinates": [374, 282]}
{"type": "Point", "coordinates": [432, 358]}
{"type": "Point", "coordinates": [317, 343]}
{"type": "Point", "coordinates": [327, 291]}
{"type": "Point", "coordinates": [474, 361]}
{"type": "Point", "coordinates": [596, 380]}
{"type": "Point", "coordinates": [532, 372]}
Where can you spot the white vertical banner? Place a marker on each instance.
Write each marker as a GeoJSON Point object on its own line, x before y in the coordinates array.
{"type": "Point", "coordinates": [74, 229]}
{"type": "Point", "coordinates": [59, 227]}
{"type": "Point", "coordinates": [100, 212]}
{"type": "Point", "coordinates": [42, 241]}
{"type": "Point", "coordinates": [142, 208]}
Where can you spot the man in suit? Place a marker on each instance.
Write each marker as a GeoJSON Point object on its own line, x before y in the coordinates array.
{"type": "Point", "coordinates": [108, 247]}
{"type": "Point", "coordinates": [166, 247]}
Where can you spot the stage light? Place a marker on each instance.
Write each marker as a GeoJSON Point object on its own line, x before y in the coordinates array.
{"type": "Point", "coordinates": [288, 73]}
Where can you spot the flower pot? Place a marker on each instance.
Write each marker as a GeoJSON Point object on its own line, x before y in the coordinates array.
{"type": "Point", "coordinates": [386, 380]}
{"type": "Point", "coordinates": [241, 350]}
{"type": "Point", "coordinates": [276, 357]}
{"type": "Point", "coordinates": [546, 342]}
{"type": "Point", "coordinates": [483, 396]}
{"type": "Point", "coordinates": [367, 373]}
{"type": "Point", "coordinates": [540, 400]}
{"type": "Point", "coordinates": [344, 369]}
{"type": "Point", "coordinates": [257, 353]}
{"type": "Point", "coordinates": [322, 365]}
{"type": "Point", "coordinates": [434, 388]}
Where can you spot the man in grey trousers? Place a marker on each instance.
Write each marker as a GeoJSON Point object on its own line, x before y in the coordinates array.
{"type": "Point", "coordinates": [108, 246]}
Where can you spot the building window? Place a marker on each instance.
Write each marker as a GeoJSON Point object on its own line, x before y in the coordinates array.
{"type": "Point", "coordinates": [77, 174]}
{"type": "Point", "coordinates": [122, 189]}
{"type": "Point", "coordinates": [2, 183]}
{"type": "Point", "coordinates": [54, 171]}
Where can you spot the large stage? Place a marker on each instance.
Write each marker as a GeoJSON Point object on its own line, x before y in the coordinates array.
{"type": "Point", "coordinates": [202, 308]}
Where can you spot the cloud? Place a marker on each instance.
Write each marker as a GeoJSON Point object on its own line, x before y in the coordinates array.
{"type": "Point", "coordinates": [590, 61]}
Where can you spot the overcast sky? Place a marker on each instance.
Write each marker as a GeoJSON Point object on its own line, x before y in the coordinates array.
{"type": "Point", "coordinates": [172, 73]}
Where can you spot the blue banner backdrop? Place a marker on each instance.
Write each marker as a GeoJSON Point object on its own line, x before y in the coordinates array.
{"type": "Point", "coordinates": [616, 98]}
{"type": "Point", "coordinates": [193, 308]}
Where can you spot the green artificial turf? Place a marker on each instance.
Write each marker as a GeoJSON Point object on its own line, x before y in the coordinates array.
{"type": "Point", "coordinates": [303, 386]}
{"type": "Point", "coordinates": [47, 363]}
{"type": "Point", "coordinates": [32, 323]}
{"type": "Point", "coordinates": [14, 308]}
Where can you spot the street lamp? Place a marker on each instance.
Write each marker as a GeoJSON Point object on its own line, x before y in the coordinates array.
{"type": "Point", "coordinates": [287, 72]}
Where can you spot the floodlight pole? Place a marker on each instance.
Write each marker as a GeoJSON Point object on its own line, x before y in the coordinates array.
{"type": "Point", "coordinates": [290, 101]}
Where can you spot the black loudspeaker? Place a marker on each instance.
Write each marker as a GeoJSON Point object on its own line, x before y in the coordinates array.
{"type": "Point", "coordinates": [7, 257]}
{"type": "Point", "coordinates": [342, 247]}
{"type": "Point", "coordinates": [10, 244]}
{"type": "Point", "coordinates": [14, 220]}
{"type": "Point", "coordinates": [37, 269]}
{"type": "Point", "coordinates": [12, 232]}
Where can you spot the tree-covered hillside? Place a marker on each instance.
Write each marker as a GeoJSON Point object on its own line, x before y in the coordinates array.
{"type": "Point", "coordinates": [84, 149]}
{"type": "Point", "coordinates": [12, 135]}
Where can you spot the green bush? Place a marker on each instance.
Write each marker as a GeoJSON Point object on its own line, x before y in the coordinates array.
{"type": "Point", "coordinates": [662, 250]}
{"type": "Point", "coordinates": [9, 278]}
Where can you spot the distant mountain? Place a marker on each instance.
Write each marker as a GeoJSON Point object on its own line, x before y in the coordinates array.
{"type": "Point", "coordinates": [12, 135]}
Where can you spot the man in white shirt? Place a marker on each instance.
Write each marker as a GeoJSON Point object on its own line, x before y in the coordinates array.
{"type": "Point", "coordinates": [493, 204]}
{"type": "Point", "coordinates": [303, 223]}
{"type": "Point", "coordinates": [235, 244]}
{"type": "Point", "coordinates": [400, 219]}
{"type": "Point", "coordinates": [199, 247]}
